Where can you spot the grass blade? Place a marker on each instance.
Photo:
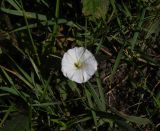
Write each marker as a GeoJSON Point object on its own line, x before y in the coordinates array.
{"type": "Point", "coordinates": [101, 92]}
{"type": "Point", "coordinates": [117, 62]}
{"type": "Point", "coordinates": [28, 15]}
{"type": "Point", "coordinates": [88, 95]}
{"type": "Point", "coordinates": [136, 34]}
{"type": "Point", "coordinates": [96, 97]}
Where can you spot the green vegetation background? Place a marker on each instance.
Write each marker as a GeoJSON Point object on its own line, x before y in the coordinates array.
{"type": "Point", "coordinates": [124, 36]}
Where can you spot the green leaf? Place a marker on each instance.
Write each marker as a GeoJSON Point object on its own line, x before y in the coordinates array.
{"type": "Point", "coordinates": [95, 97]}
{"type": "Point", "coordinates": [63, 92]}
{"type": "Point", "coordinates": [73, 87]}
{"type": "Point", "coordinates": [117, 62]}
{"type": "Point", "coordinates": [134, 119]}
{"type": "Point", "coordinates": [13, 91]}
{"type": "Point", "coordinates": [17, 123]}
{"type": "Point", "coordinates": [125, 125]}
{"type": "Point", "coordinates": [137, 120]}
{"type": "Point", "coordinates": [35, 68]}
{"type": "Point", "coordinates": [6, 116]}
{"type": "Point", "coordinates": [15, 4]}
{"type": "Point", "coordinates": [101, 91]}
{"type": "Point", "coordinates": [91, 105]}
{"type": "Point", "coordinates": [61, 123]}
{"type": "Point", "coordinates": [29, 15]}
{"type": "Point", "coordinates": [95, 8]}
{"type": "Point", "coordinates": [136, 34]}
{"type": "Point", "coordinates": [154, 28]}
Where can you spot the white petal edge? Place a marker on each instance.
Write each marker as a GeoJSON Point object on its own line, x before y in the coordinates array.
{"type": "Point", "coordinates": [79, 54]}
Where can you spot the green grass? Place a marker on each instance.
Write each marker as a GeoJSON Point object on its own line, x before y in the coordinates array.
{"type": "Point", "coordinates": [122, 95]}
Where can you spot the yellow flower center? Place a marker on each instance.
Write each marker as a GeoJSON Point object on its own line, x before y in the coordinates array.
{"type": "Point", "coordinates": [78, 65]}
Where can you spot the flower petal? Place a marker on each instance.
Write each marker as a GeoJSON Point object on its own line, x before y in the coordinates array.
{"type": "Point", "coordinates": [86, 55]}
{"type": "Point", "coordinates": [79, 51]}
{"type": "Point", "coordinates": [72, 54]}
{"type": "Point", "coordinates": [90, 66]}
{"type": "Point", "coordinates": [86, 58]}
{"type": "Point", "coordinates": [78, 76]}
{"type": "Point", "coordinates": [68, 71]}
{"type": "Point", "coordinates": [67, 59]}
{"type": "Point", "coordinates": [86, 77]}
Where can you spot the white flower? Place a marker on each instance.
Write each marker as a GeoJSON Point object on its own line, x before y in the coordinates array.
{"type": "Point", "coordinates": [79, 64]}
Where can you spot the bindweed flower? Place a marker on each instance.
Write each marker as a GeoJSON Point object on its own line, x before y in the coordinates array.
{"type": "Point", "coordinates": [79, 64]}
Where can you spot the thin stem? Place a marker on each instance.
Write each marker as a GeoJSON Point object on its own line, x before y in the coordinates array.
{"type": "Point", "coordinates": [29, 33]}
{"type": "Point", "coordinates": [57, 9]}
{"type": "Point", "coordinates": [55, 25]}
